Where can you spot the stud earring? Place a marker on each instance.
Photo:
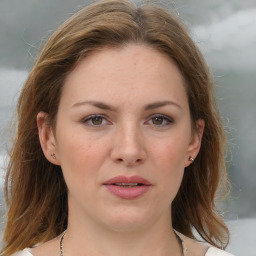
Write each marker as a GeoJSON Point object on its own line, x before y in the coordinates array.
{"type": "Point", "coordinates": [53, 156]}
{"type": "Point", "coordinates": [191, 159]}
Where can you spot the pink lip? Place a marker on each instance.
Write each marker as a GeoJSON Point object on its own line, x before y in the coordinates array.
{"type": "Point", "coordinates": [128, 192]}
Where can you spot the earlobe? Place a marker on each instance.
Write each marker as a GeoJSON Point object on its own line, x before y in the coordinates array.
{"type": "Point", "coordinates": [195, 142]}
{"type": "Point", "coordinates": [47, 138]}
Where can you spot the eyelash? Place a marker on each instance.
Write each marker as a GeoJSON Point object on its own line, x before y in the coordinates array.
{"type": "Point", "coordinates": [168, 120]}
{"type": "Point", "coordinates": [89, 119]}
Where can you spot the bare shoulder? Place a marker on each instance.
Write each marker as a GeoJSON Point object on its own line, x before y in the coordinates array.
{"type": "Point", "coordinates": [49, 248]}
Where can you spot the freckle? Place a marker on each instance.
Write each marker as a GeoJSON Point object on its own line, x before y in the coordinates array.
{"type": "Point", "coordinates": [89, 145]}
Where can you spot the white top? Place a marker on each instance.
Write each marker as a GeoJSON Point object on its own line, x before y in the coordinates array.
{"type": "Point", "coordinates": [212, 251]}
{"type": "Point", "coordinates": [25, 252]}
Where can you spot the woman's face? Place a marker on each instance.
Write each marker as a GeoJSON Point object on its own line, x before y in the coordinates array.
{"type": "Point", "coordinates": [123, 137]}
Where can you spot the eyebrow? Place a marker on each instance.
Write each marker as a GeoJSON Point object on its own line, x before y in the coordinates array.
{"type": "Point", "coordinates": [97, 104]}
{"type": "Point", "coordinates": [105, 106]}
{"type": "Point", "coordinates": [159, 104]}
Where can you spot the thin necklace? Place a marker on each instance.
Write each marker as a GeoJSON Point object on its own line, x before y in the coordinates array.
{"type": "Point", "coordinates": [61, 243]}
{"type": "Point", "coordinates": [184, 249]}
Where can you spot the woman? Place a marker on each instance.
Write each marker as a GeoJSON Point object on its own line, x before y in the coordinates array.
{"type": "Point", "coordinates": [119, 146]}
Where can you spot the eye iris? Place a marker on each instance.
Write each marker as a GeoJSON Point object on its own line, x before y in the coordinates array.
{"type": "Point", "coordinates": [157, 120]}
{"type": "Point", "coordinates": [97, 120]}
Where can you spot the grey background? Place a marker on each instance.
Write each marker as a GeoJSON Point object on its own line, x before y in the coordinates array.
{"type": "Point", "coordinates": [226, 33]}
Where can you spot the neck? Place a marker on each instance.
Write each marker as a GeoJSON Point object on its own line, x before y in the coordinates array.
{"type": "Point", "coordinates": [88, 238]}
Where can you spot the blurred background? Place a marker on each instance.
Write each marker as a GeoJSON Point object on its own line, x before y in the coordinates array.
{"type": "Point", "coordinates": [225, 31]}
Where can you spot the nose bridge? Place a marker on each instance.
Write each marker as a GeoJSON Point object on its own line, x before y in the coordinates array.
{"type": "Point", "coordinates": [129, 138]}
{"type": "Point", "coordinates": [128, 144]}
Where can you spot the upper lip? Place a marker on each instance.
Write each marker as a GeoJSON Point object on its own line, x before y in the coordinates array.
{"type": "Point", "coordinates": [127, 180]}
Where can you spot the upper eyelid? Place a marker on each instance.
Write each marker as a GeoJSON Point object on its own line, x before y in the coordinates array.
{"type": "Point", "coordinates": [167, 117]}
{"type": "Point", "coordinates": [92, 116]}
{"type": "Point", "coordinates": [167, 120]}
{"type": "Point", "coordinates": [87, 119]}
{"type": "Point", "coordinates": [161, 115]}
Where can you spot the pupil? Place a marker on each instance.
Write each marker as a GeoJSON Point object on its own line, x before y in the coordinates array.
{"type": "Point", "coordinates": [97, 120]}
{"type": "Point", "coordinates": [158, 120]}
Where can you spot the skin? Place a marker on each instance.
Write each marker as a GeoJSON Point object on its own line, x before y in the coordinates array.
{"type": "Point", "coordinates": [142, 127]}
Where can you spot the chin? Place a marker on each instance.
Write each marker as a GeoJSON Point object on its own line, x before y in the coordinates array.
{"type": "Point", "coordinates": [127, 220]}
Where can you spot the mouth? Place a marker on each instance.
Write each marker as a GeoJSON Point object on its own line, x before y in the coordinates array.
{"type": "Point", "coordinates": [130, 181]}
{"type": "Point", "coordinates": [128, 187]}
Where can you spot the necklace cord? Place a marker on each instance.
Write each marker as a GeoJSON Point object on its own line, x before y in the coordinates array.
{"type": "Point", "coordinates": [61, 243]}
{"type": "Point", "coordinates": [184, 249]}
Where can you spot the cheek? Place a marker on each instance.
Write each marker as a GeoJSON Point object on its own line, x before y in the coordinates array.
{"type": "Point", "coordinates": [80, 155]}
{"type": "Point", "coordinates": [169, 161]}
{"type": "Point", "coordinates": [171, 152]}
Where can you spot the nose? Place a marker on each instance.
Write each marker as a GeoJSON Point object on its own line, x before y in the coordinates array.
{"type": "Point", "coordinates": [128, 146]}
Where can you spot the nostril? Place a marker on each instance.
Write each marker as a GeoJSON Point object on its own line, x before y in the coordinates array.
{"type": "Point", "coordinates": [129, 162]}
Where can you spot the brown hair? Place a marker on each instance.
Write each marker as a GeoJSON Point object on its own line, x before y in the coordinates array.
{"type": "Point", "coordinates": [36, 193]}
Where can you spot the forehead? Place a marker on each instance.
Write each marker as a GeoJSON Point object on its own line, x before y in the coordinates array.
{"type": "Point", "coordinates": [132, 70]}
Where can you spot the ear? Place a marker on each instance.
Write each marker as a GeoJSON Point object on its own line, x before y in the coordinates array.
{"type": "Point", "coordinates": [47, 138]}
{"type": "Point", "coordinates": [195, 142]}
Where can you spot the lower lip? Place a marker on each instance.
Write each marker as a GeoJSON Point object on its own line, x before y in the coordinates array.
{"type": "Point", "coordinates": [129, 192]}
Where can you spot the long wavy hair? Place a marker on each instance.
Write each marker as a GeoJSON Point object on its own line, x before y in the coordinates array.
{"type": "Point", "coordinates": [36, 193]}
